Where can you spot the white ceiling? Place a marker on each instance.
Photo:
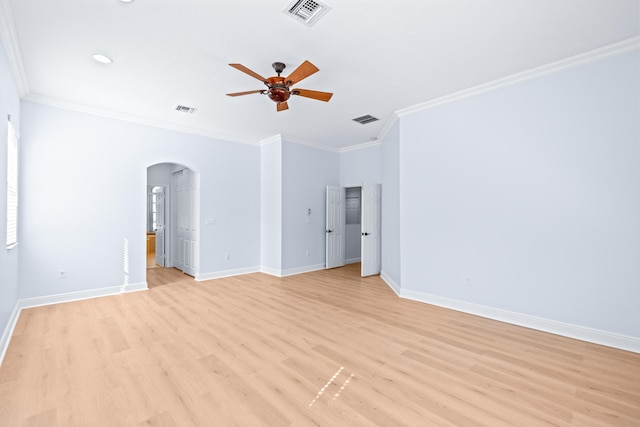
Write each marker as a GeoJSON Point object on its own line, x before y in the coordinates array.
{"type": "Point", "coordinates": [376, 56]}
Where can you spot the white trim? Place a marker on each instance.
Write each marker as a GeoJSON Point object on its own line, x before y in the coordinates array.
{"type": "Point", "coordinates": [353, 260]}
{"type": "Point", "coordinates": [226, 273]}
{"type": "Point", "coordinates": [614, 49]}
{"type": "Point", "coordinates": [300, 270]}
{"type": "Point", "coordinates": [81, 295]}
{"type": "Point", "coordinates": [110, 114]}
{"type": "Point", "coordinates": [389, 281]}
{"type": "Point", "coordinates": [8, 331]}
{"type": "Point", "coordinates": [296, 140]}
{"type": "Point", "coordinates": [546, 325]}
{"type": "Point", "coordinates": [57, 299]}
{"type": "Point", "coordinates": [360, 146]}
{"type": "Point", "coordinates": [292, 271]}
{"type": "Point", "coordinates": [387, 126]}
{"type": "Point", "coordinates": [270, 271]}
{"type": "Point", "coordinates": [302, 141]}
{"type": "Point", "coordinates": [10, 42]}
{"type": "Point", "coordinates": [134, 287]}
{"type": "Point", "coordinates": [275, 138]}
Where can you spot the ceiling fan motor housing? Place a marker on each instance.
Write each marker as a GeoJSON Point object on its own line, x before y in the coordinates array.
{"type": "Point", "coordinates": [278, 90]}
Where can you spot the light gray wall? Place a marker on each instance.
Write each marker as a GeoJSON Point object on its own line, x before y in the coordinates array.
{"type": "Point", "coordinates": [9, 105]}
{"type": "Point", "coordinates": [530, 194]}
{"type": "Point", "coordinates": [84, 199]}
{"type": "Point", "coordinates": [271, 206]}
{"type": "Point", "coordinates": [390, 153]}
{"type": "Point", "coordinates": [306, 172]}
{"type": "Point", "coordinates": [361, 165]}
{"type": "Point", "coordinates": [159, 175]}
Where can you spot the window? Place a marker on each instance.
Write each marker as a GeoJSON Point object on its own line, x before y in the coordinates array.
{"type": "Point", "coordinates": [12, 186]}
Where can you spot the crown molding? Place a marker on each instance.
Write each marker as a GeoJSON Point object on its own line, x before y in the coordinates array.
{"type": "Point", "coordinates": [388, 125]}
{"type": "Point", "coordinates": [275, 138]}
{"type": "Point", "coordinates": [9, 39]}
{"type": "Point", "coordinates": [308, 143]}
{"type": "Point", "coordinates": [361, 146]}
{"type": "Point", "coordinates": [615, 49]}
{"type": "Point", "coordinates": [58, 103]}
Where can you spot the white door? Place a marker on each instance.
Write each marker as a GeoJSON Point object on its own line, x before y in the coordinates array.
{"type": "Point", "coordinates": [185, 232]}
{"type": "Point", "coordinates": [371, 229]}
{"type": "Point", "coordinates": [160, 224]}
{"type": "Point", "coordinates": [335, 226]}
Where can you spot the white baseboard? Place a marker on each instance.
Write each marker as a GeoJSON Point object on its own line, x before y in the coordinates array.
{"type": "Point", "coordinates": [389, 281]}
{"type": "Point", "coordinates": [291, 271]}
{"type": "Point", "coordinates": [226, 273]}
{"type": "Point", "coordinates": [300, 270]}
{"type": "Point", "coordinates": [353, 260]}
{"type": "Point", "coordinates": [57, 299]}
{"type": "Point", "coordinates": [271, 271]}
{"type": "Point", "coordinates": [80, 295]}
{"type": "Point", "coordinates": [582, 333]}
{"type": "Point", "coordinates": [8, 330]}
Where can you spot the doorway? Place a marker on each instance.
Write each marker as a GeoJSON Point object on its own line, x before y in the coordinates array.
{"type": "Point", "coordinates": [172, 223]}
{"type": "Point", "coordinates": [353, 227]}
{"type": "Point", "coordinates": [155, 227]}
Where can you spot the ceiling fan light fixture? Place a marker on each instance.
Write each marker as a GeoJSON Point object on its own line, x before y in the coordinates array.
{"type": "Point", "coordinates": [279, 88]}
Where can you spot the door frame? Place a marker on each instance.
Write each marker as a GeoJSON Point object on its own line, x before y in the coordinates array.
{"type": "Point", "coordinates": [379, 249]}
{"type": "Point", "coordinates": [169, 203]}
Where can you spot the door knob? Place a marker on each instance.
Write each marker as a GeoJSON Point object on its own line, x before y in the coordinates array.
{"type": "Point", "coordinates": [329, 231]}
{"type": "Point", "coordinates": [365, 234]}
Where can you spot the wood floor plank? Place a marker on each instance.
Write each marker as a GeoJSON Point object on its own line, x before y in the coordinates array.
{"type": "Point", "coordinates": [326, 348]}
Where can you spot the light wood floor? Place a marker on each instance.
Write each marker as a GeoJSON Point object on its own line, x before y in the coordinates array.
{"type": "Point", "coordinates": [320, 349]}
{"type": "Point", "coordinates": [160, 276]}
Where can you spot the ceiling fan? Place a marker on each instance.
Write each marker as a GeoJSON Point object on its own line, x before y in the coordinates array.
{"type": "Point", "coordinates": [279, 88]}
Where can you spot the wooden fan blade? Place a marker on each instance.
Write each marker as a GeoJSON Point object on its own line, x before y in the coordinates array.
{"type": "Point", "coordinates": [302, 72]}
{"type": "Point", "coordinates": [281, 106]}
{"type": "Point", "coordinates": [248, 71]}
{"type": "Point", "coordinates": [245, 93]}
{"type": "Point", "coordinates": [313, 94]}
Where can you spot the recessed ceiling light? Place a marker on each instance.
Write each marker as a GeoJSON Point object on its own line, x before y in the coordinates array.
{"type": "Point", "coordinates": [126, 1]}
{"type": "Point", "coordinates": [102, 58]}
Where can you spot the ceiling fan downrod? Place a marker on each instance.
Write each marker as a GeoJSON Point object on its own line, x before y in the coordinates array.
{"type": "Point", "coordinates": [279, 67]}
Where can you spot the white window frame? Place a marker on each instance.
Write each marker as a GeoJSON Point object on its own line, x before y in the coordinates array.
{"type": "Point", "coordinates": [12, 186]}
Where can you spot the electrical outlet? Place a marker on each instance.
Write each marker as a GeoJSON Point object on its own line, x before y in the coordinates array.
{"type": "Point", "coordinates": [227, 256]}
{"type": "Point", "coordinates": [62, 274]}
{"type": "Point", "coordinates": [469, 281]}
{"type": "Point", "coordinates": [307, 252]}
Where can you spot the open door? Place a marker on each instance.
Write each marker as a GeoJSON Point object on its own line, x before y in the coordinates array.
{"type": "Point", "coordinates": [185, 222]}
{"type": "Point", "coordinates": [371, 229]}
{"type": "Point", "coordinates": [160, 224]}
{"type": "Point", "coordinates": [335, 227]}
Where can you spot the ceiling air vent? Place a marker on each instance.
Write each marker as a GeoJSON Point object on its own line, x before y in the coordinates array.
{"type": "Point", "coordinates": [185, 109]}
{"type": "Point", "coordinates": [306, 11]}
{"type": "Point", "coordinates": [363, 120]}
